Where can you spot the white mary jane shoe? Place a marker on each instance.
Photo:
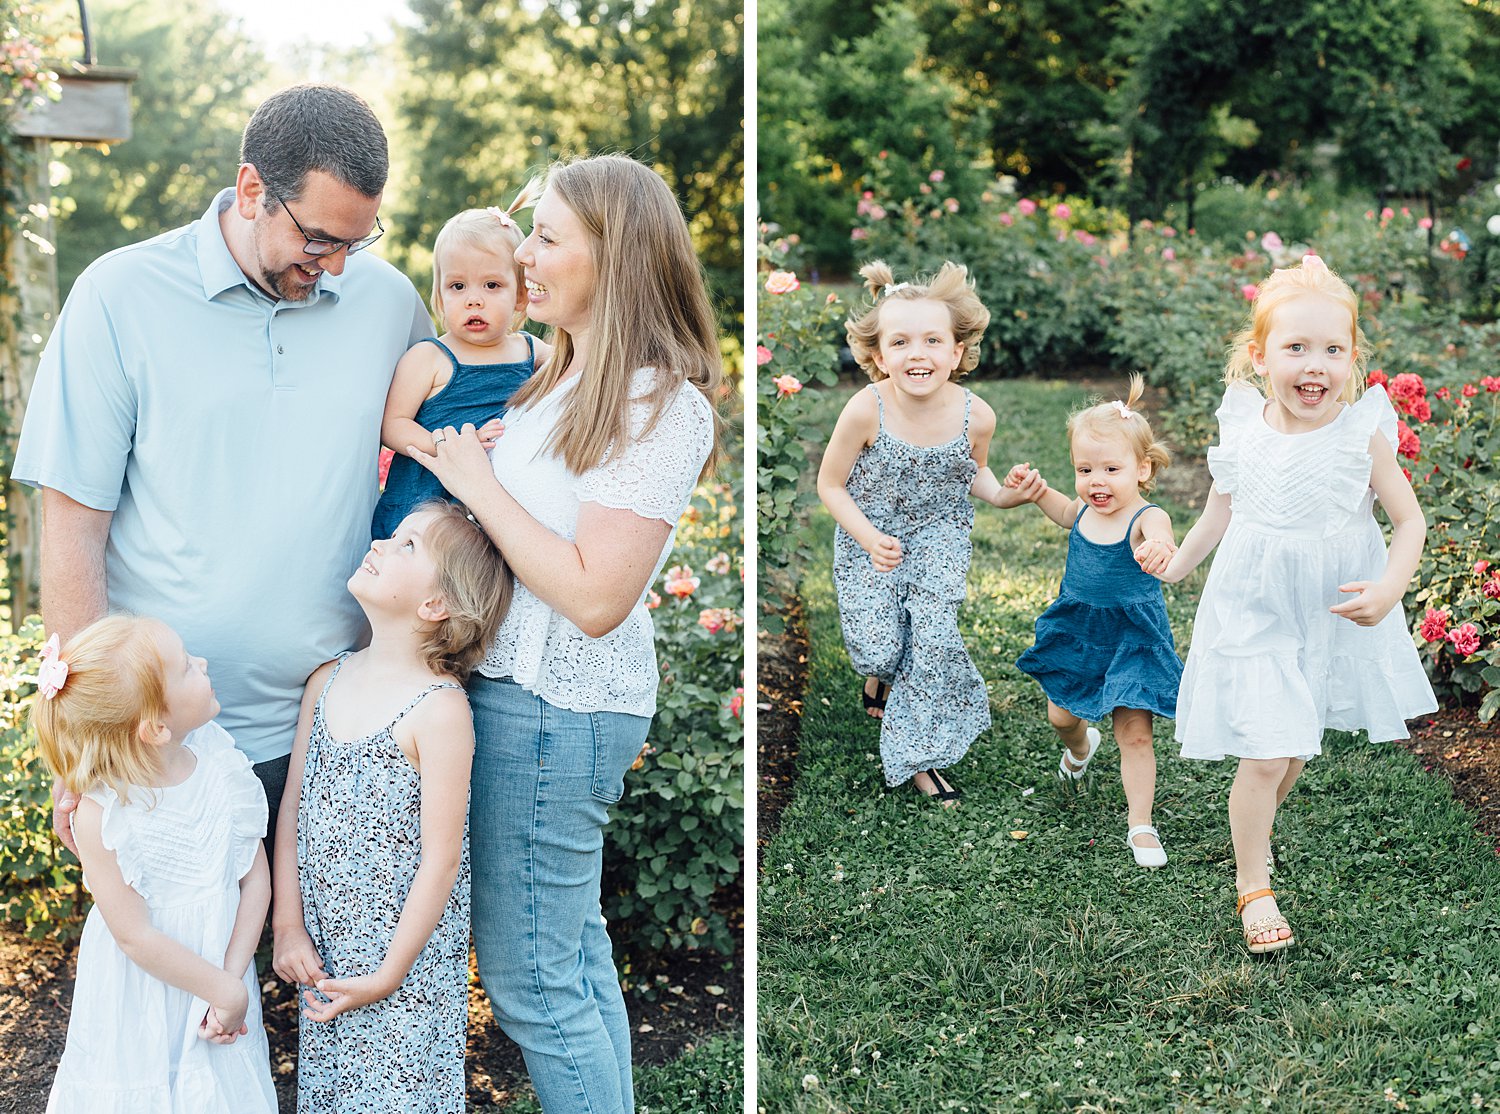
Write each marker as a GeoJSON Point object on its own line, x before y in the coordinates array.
{"type": "Point", "coordinates": [1146, 856]}
{"type": "Point", "coordinates": [1075, 773]}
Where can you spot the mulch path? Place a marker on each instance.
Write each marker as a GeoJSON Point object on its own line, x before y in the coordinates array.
{"type": "Point", "coordinates": [676, 1001]}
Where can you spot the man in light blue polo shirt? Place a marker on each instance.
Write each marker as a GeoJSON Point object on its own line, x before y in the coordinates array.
{"type": "Point", "coordinates": [205, 424]}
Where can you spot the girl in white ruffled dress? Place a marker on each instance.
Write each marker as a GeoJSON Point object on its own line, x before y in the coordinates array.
{"type": "Point", "coordinates": [166, 1008]}
{"type": "Point", "coordinates": [1300, 627]}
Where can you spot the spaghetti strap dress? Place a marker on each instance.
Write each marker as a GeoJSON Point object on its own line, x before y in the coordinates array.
{"type": "Point", "coordinates": [1105, 642]}
{"type": "Point", "coordinates": [474, 393]}
{"type": "Point", "coordinates": [902, 625]}
{"type": "Point", "coordinates": [359, 842]}
{"type": "Point", "coordinates": [1270, 667]}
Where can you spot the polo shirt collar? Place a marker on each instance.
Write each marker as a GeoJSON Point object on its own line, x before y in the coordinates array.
{"type": "Point", "coordinates": [220, 272]}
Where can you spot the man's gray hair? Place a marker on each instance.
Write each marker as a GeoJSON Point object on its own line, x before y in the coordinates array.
{"type": "Point", "coordinates": [315, 127]}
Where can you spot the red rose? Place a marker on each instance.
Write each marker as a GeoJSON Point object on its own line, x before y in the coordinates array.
{"type": "Point", "coordinates": [1435, 625]}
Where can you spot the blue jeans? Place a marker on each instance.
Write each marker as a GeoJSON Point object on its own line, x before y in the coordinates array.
{"type": "Point", "coordinates": [543, 781]}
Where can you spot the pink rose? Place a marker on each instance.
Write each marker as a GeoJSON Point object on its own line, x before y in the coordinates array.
{"type": "Point", "coordinates": [1465, 638]}
{"type": "Point", "coordinates": [951, 204]}
{"type": "Point", "coordinates": [877, 212]}
{"type": "Point", "coordinates": [1491, 588]}
{"type": "Point", "coordinates": [1168, 231]}
{"type": "Point", "coordinates": [1007, 220]}
{"type": "Point", "coordinates": [653, 600]}
{"type": "Point", "coordinates": [763, 355]}
{"type": "Point", "coordinates": [1480, 566]}
{"type": "Point", "coordinates": [718, 564]}
{"type": "Point", "coordinates": [1408, 444]}
{"type": "Point", "coordinates": [1434, 625]}
{"type": "Point", "coordinates": [781, 282]}
{"type": "Point", "coordinates": [936, 176]}
{"type": "Point", "coordinates": [681, 582]}
{"type": "Point", "coordinates": [1387, 213]}
{"type": "Point", "coordinates": [786, 385]}
{"type": "Point", "coordinates": [1271, 242]}
{"type": "Point", "coordinates": [1425, 223]}
{"type": "Point", "coordinates": [859, 234]}
{"type": "Point", "coordinates": [1062, 211]}
{"type": "Point", "coordinates": [1168, 254]}
{"type": "Point", "coordinates": [1249, 290]}
{"type": "Point", "coordinates": [1490, 383]}
{"type": "Point", "coordinates": [1470, 390]}
{"type": "Point", "coordinates": [1027, 206]}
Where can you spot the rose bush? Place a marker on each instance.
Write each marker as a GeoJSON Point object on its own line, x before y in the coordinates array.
{"type": "Point", "coordinates": [801, 331]}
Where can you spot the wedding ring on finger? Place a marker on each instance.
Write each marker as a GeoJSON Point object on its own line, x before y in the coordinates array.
{"type": "Point", "coordinates": [439, 439]}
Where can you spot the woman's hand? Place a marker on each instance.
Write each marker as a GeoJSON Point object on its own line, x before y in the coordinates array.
{"type": "Point", "coordinates": [345, 994]}
{"type": "Point", "coordinates": [458, 460]}
{"type": "Point", "coordinates": [295, 959]}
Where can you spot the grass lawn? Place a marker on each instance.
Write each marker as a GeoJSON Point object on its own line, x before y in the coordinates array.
{"type": "Point", "coordinates": [1009, 955]}
{"type": "Point", "coordinates": [708, 1079]}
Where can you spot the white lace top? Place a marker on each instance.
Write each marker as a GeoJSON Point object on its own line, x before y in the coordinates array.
{"type": "Point", "coordinates": [654, 477]}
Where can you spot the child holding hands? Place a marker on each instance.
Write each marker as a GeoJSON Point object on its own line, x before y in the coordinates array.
{"type": "Point", "coordinates": [1300, 626]}
{"type": "Point", "coordinates": [896, 477]}
{"type": "Point", "coordinates": [1104, 647]}
{"type": "Point", "coordinates": [372, 876]}
{"type": "Point", "coordinates": [166, 1009]}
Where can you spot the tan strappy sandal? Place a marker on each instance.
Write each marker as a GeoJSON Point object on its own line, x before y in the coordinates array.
{"type": "Point", "coordinates": [1273, 923]}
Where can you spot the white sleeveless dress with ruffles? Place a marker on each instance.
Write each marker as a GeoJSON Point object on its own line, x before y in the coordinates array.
{"type": "Point", "coordinates": [133, 1045]}
{"type": "Point", "coordinates": [1270, 667]}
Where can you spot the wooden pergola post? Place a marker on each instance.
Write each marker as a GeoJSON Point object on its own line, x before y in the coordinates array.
{"type": "Point", "coordinates": [94, 108]}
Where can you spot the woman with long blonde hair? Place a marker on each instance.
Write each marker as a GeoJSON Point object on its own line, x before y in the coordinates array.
{"type": "Point", "coordinates": [601, 450]}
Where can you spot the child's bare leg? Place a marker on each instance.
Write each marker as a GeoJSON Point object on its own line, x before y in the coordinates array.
{"type": "Point", "coordinates": [1293, 771]}
{"type": "Point", "coordinates": [1252, 809]}
{"type": "Point", "coordinates": [1137, 768]}
{"type": "Point", "coordinates": [1071, 730]}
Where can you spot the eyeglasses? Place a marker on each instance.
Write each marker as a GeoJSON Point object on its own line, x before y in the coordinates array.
{"type": "Point", "coordinates": [316, 247]}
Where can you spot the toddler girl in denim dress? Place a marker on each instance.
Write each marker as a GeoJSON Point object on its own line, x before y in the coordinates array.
{"type": "Point", "coordinates": [1104, 647]}
{"type": "Point", "coordinates": [469, 373]}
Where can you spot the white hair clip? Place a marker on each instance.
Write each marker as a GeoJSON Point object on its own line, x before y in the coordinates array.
{"type": "Point", "coordinates": [892, 287]}
{"type": "Point", "coordinates": [501, 215]}
{"type": "Point", "coordinates": [1125, 412]}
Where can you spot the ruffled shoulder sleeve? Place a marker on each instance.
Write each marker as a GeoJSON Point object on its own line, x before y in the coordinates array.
{"type": "Point", "coordinates": [655, 473]}
{"type": "Point", "coordinates": [1372, 413]}
{"type": "Point", "coordinates": [1349, 476]}
{"type": "Point", "coordinates": [1241, 406]}
{"type": "Point", "coordinates": [241, 792]}
{"type": "Point", "coordinates": [116, 831]}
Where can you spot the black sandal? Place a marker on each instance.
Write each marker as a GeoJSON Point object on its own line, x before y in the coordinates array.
{"type": "Point", "coordinates": [875, 703]}
{"type": "Point", "coordinates": [944, 790]}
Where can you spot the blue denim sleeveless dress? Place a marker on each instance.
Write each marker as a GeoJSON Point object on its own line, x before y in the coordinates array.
{"type": "Point", "coordinates": [475, 393]}
{"type": "Point", "coordinates": [1105, 642]}
{"type": "Point", "coordinates": [902, 626]}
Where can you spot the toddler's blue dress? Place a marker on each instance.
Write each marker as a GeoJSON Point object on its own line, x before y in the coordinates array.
{"type": "Point", "coordinates": [474, 393]}
{"type": "Point", "coordinates": [902, 626]}
{"type": "Point", "coordinates": [1105, 642]}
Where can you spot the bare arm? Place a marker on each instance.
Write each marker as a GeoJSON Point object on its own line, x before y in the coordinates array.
{"type": "Point", "coordinates": [594, 580]}
{"type": "Point", "coordinates": [294, 958]}
{"type": "Point", "coordinates": [1374, 599]}
{"type": "Point", "coordinates": [129, 922]}
{"type": "Point", "coordinates": [417, 374]}
{"type": "Point", "coordinates": [443, 735]}
{"type": "Point", "coordinates": [74, 594]}
{"type": "Point", "coordinates": [1201, 537]}
{"type": "Point", "coordinates": [255, 900]}
{"type": "Point", "coordinates": [1157, 544]}
{"type": "Point", "coordinates": [858, 424]}
{"type": "Point", "coordinates": [1058, 507]}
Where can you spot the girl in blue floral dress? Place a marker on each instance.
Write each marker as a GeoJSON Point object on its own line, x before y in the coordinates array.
{"type": "Point", "coordinates": [897, 476]}
{"type": "Point", "coordinates": [1104, 647]}
{"type": "Point", "coordinates": [372, 865]}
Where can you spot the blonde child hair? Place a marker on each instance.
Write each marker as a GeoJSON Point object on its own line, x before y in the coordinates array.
{"type": "Point", "coordinates": [474, 583]}
{"type": "Point", "coordinates": [492, 230]}
{"type": "Point", "coordinates": [1122, 420]}
{"type": "Point", "coordinates": [951, 286]}
{"type": "Point", "coordinates": [89, 730]}
{"type": "Point", "coordinates": [1311, 276]}
{"type": "Point", "coordinates": [650, 309]}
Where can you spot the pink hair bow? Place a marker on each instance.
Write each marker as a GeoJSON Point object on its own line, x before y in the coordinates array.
{"type": "Point", "coordinates": [501, 215]}
{"type": "Point", "coordinates": [1125, 411]}
{"type": "Point", "coordinates": [53, 671]}
{"type": "Point", "coordinates": [1311, 262]}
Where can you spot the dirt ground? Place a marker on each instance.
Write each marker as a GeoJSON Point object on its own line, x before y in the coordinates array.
{"type": "Point", "coordinates": [681, 1001]}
